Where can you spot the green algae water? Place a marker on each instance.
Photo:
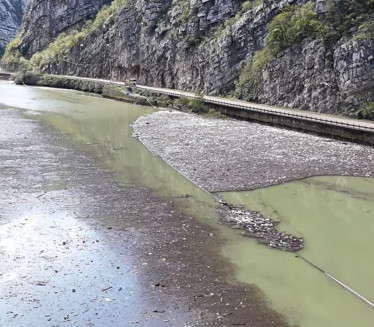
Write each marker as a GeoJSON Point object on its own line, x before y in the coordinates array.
{"type": "Point", "coordinates": [102, 128]}
{"type": "Point", "coordinates": [333, 214]}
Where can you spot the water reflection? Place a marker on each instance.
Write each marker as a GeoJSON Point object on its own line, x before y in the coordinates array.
{"type": "Point", "coordinates": [334, 215]}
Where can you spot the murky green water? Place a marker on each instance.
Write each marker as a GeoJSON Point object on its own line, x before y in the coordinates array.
{"type": "Point", "coordinates": [335, 215]}
{"type": "Point", "coordinates": [101, 127]}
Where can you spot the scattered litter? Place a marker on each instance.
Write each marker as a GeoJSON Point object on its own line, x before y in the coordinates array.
{"type": "Point", "coordinates": [159, 311]}
{"type": "Point", "coordinates": [106, 289]}
{"type": "Point", "coordinates": [41, 283]}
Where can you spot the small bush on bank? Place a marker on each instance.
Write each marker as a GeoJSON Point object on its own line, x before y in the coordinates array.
{"type": "Point", "coordinates": [27, 78]}
{"type": "Point", "coordinates": [181, 103]}
{"type": "Point", "coordinates": [164, 101]}
{"type": "Point", "coordinates": [366, 111]}
{"type": "Point", "coordinates": [141, 102]}
{"type": "Point", "coordinates": [197, 105]}
{"type": "Point", "coordinates": [213, 113]}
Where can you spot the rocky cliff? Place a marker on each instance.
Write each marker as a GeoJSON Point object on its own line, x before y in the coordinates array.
{"type": "Point", "coordinates": [204, 44]}
{"type": "Point", "coordinates": [313, 77]}
{"type": "Point", "coordinates": [200, 44]}
{"type": "Point", "coordinates": [11, 12]}
{"type": "Point", "coordinates": [46, 19]}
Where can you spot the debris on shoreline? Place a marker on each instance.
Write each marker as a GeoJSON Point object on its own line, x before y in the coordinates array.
{"type": "Point", "coordinates": [233, 155]}
{"type": "Point", "coordinates": [263, 229]}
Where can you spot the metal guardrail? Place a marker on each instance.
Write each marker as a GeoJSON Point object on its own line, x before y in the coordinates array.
{"type": "Point", "coordinates": [277, 112]}
{"type": "Point", "coordinates": [269, 111]}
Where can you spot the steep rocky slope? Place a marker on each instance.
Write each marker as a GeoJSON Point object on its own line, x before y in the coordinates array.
{"type": "Point", "coordinates": [204, 44]}
{"type": "Point", "coordinates": [11, 12]}
{"type": "Point", "coordinates": [45, 19]}
{"type": "Point", "coordinates": [182, 44]}
{"type": "Point", "coordinates": [312, 76]}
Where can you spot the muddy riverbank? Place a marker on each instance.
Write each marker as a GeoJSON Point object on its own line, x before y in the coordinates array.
{"type": "Point", "coordinates": [107, 234]}
{"type": "Point", "coordinates": [91, 252]}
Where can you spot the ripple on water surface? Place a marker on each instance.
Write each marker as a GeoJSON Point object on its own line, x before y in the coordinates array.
{"type": "Point", "coordinates": [333, 214]}
{"type": "Point", "coordinates": [335, 217]}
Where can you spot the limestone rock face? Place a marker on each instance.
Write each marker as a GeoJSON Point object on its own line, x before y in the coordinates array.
{"type": "Point", "coordinates": [45, 19]}
{"type": "Point", "coordinates": [301, 77]}
{"type": "Point", "coordinates": [169, 44]}
{"type": "Point", "coordinates": [204, 44]}
{"type": "Point", "coordinates": [311, 77]}
{"type": "Point", "coordinates": [354, 67]}
{"type": "Point", "coordinates": [11, 12]}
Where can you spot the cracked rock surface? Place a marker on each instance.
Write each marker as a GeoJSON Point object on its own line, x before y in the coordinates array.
{"type": "Point", "coordinates": [11, 12]}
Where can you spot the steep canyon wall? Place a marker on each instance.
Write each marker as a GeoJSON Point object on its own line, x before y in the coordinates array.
{"type": "Point", "coordinates": [203, 44]}
{"type": "Point", "coordinates": [11, 12]}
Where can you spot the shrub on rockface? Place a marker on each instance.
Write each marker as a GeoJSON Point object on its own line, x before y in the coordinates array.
{"type": "Point", "coordinates": [60, 48]}
{"type": "Point", "coordinates": [365, 30]}
{"type": "Point", "coordinates": [12, 55]}
{"type": "Point", "coordinates": [345, 16]}
{"type": "Point", "coordinates": [286, 29]}
{"type": "Point", "coordinates": [366, 111]}
{"type": "Point", "coordinates": [291, 27]}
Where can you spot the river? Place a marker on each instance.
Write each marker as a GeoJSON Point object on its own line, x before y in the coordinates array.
{"type": "Point", "coordinates": [333, 214]}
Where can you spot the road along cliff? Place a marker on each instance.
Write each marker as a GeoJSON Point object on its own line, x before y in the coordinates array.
{"type": "Point", "coordinates": [301, 54]}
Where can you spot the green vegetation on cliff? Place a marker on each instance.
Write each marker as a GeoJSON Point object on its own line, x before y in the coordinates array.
{"type": "Point", "coordinates": [12, 55]}
{"type": "Point", "coordinates": [352, 19]}
{"type": "Point", "coordinates": [344, 17]}
{"type": "Point", "coordinates": [60, 48]}
{"type": "Point", "coordinates": [366, 111]}
{"type": "Point", "coordinates": [286, 29]}
{"type": "Point", "coordinates": [62, 45]}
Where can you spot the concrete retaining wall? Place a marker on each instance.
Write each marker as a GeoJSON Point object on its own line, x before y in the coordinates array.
{"type": "Point", "coordinates": [323, 126]}
{"type": "Point", "coordinates": [298, 123]}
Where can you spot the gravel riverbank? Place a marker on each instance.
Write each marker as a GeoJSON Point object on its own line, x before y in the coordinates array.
{"type": "Point", "coordinates": [232, 155]}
